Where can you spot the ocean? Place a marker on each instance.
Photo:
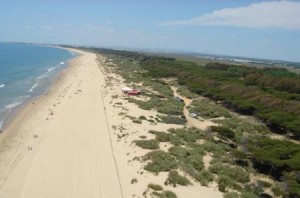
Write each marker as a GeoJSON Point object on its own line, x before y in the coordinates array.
{"type": "Point", "coordinates": [27, 71]}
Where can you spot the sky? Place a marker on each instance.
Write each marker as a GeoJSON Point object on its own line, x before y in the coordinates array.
{"type": "Point", "coordinates": [248, 28]}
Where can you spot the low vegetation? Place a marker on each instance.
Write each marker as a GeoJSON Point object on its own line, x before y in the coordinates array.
{"type": "Point", "coordinates": [147, 144]}
{"type": "Point", "coordinates": [175, 179]}
{"type": "Point", "coordinates": [155, 187]}
{"type": "Point", "coordinates": [208, 109]}
{"type": "Point", "coordinates": [271, 95]}
{"type": "Point", "coordinates": [168, 119]}
{"type": "Point", "coordinates": [160, 161]}
{"type": "Point", "coordinates": [165, 194]}
{"type": "Point", "coordinates": [223, 131]}
{"type": "Point", "coordinates": [184, 91]}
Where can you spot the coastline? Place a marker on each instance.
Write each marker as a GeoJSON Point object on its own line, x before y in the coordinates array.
{"type": "Point", "coordinates": [28, 149]}
{"type": "Point", "coordinates": [77, 141]}
{"type": "Point", "coordinates": [43, 83]}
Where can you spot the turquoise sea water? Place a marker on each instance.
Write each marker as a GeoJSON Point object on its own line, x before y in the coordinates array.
{"type": "Point", "coordinates": [27, 71]}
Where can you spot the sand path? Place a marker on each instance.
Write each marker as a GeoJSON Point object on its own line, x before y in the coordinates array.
{"type": "Point", "coordinates": [72, 153]}
{"type": "Point", "coordinates": [193, 122]}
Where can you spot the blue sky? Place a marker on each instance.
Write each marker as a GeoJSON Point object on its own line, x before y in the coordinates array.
{"type": "Point", "coordinates": [250, 28]}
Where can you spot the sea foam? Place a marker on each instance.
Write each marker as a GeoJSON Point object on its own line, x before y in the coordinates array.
{"type": "Point", "coordinates": [34, 86]}
{"type": "Point", "coordinates": [51, 69]}
{"type": "Point", "coordinates": [1, 124]}
{"type": "Point", "coordinates": [12, 105]}
{"type": "Point", "coordinates": [40, 77]}
{"type": "Point", "coordinates": [17, 102]}
{"type": "Point", "coordinates": [2, 85]}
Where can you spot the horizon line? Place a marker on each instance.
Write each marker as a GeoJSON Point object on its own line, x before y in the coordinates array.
{"type": "Point", "coordinates": [162, 50]}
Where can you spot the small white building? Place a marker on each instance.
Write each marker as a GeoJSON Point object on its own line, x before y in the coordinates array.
{"type": "Point", "coordinates": [126, 89]}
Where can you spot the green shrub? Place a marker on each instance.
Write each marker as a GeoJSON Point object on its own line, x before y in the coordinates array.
{"type": "Point", "coordinates": [223, 131]}
{"type": "Point", "coordinates": [277, 153]}
{"type": "Point", "coordinates": [133, 181]}
{"type": "Point", "coordinates": [146, 105]}
{"type": "Point", "coordinates": [195, 160]}
{"type": "Point", "coordinates": [221, 159]}
{"type": "Point", "coordinates": [155, 187]}
{"type": "Point", "coordinates": [197, 148]}
{"type": "Point", "coordinates": [174, 178]}
{"type": "Point", "coordinates": [170, 107]}
{"type": "Point", "coordinates": [160, 87]}
{"type": "Point", "coordinates": [249, 195]}
{"type": "Point", "coordinates": [175, 140]}
{"type": "Point", "coordinates": [217, 149]}
{"type": "Point", "coordinates": [231, 195]}
{"type": "Point", "coordinates": [293, 183]}
{"type": "Point", "coordinates": [167, 137]}
{"type": "Point", "coordinates": [161, 136]}
{"type": "Point", "coordinates": [238, 187]}
{"type": "Point", "coordinates": [188, 135]}
{"type": "Point", "coordinates": [170, 194]}
{"type": "Point", "coordinates": [253, 188]}
{"type": "Point", "coordinates": [183, 91]}
{"type": "Point", "coordinates": [263, 183]}
{"type": "Point", "coordinates": [277, 191]}
{"type": "Point", "coordinates": [236, 173]}
{"type": "Point", "coordinates": [224, 182]}
{"type": "Point", "coordinates": [204, 177]}
{"type": "Point", "coordinates": [165, 194]}
{"type": "Point", "coordinates": [160, 161]}
{"type": "Point", "coordinates": [142, 118]}
{"type": "Point", "coordinates": [137, 121]}
{"type": "Point", "coordinates": [147, 144]}
{"type": "Point", "coordinates": [239, 154]}
{"type": "Point", "coordinates": [207, 109]}
{"type": "Point", "coordinates": [243, 126]}
{"type": "Point", "coordinates": [168, 119]}
{"type": "Point", "coordinates": [179, 152]}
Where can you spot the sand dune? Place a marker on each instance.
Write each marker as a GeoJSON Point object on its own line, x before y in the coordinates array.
{"type": "Point", "coordinates": [77, 142]}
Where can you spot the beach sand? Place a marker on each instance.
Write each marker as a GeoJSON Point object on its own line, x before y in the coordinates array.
{"type": "Point", "coordinates": [77, 142]}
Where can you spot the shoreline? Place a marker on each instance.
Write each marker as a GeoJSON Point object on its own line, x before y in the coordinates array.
{"type": "Point", "coordinates": [38, 140]}
{"type": "Point", "coordinates": [14, 111]}
{"type": "Point", "coordinates": [77, 141]}
{"type": "Point", "coordinates": [17, 114]}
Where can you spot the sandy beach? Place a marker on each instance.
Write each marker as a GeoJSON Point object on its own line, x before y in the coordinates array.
{"type": "Point", "coordinates": [60, 145]}
{"type": "Point", "coordinates": [74, 141]}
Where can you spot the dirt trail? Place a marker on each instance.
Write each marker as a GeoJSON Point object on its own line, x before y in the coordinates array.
{"type": "Point", "coordinates": [193, 122]}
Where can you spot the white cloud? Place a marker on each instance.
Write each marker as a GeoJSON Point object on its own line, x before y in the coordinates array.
{"type": "Point", "coordinates": [271, 14]}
